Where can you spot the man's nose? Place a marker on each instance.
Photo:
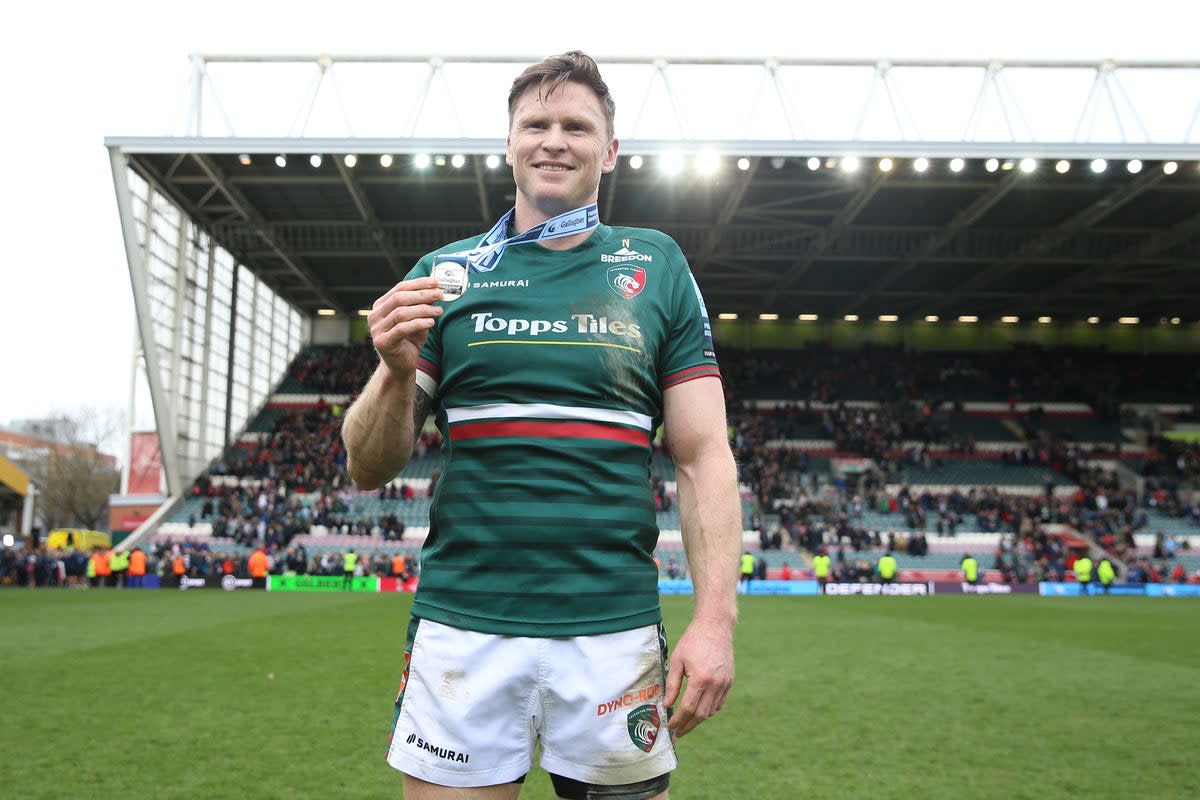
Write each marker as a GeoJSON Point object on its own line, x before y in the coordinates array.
{"type": "Point", "coordinates": [554, 138]}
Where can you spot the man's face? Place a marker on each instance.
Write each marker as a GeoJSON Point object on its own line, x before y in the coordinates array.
{"type": "Point", "coordinates": [558, 146]}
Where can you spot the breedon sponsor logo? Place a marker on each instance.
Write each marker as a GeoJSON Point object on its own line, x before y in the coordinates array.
{"type": "Point", "coordinates": [625, 254]}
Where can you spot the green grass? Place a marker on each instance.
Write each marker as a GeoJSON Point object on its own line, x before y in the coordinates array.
{"type": "Point", "coordinates": [125, 694]}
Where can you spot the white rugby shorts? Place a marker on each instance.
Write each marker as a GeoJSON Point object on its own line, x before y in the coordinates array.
{"type": "Point", "coordinates": [472, 706]}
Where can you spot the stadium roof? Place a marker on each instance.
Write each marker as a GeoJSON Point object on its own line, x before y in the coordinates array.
{"type": "Point", "coordinates": [791, 233]}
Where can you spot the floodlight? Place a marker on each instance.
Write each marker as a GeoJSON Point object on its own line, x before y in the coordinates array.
{"type": "Point", "coordinates": [932, 317]}
{"type": "Point", "coordinates": [992, 164]}
{"type": "Point", "coordinates": [1010, 320]}
{"type": "Point", "coordinates": [281, 161]}
{"type": "Point", "coordinates": [421, 160]}
{"type": "Point", "coordinates": [1170, 167]}
{"type": "Point", "coordinates": [492, 161]}
{"type": "Point", "coordinates": [768, 317]}
{"type": "Point", "coordinates": [350, 160]}
{"type": "Point", "coordinates": [814, 163]}
{"type": "Point", "coordinates": [1062, 167]}
{"type": "Point", "coordinates": [727, 315]}
{"type": "Point", "coordinates": [921, 164]}
{"type": "Point", "coordinates": [1028, 165]}
{"type": "Point", "coordinates": [1134, 166]}
{"type": "Point", "coordinates": [635, 162]}
{"type": "Point", "coordinates": [707, 162]}
{"type": "Point", "coordinates": [244, 159]}
{"type": "Point", "coordinates": [315, 159]}
{"type": "Point", "coordinates": [808, 317]}
{"type": "Point", "coordinates": [385, 160]}
{"type": "Point", "coordinates": [850, 164]}
{"type": "Point", "coordinates": [957, 165]}
{"type": "Point", "coordinates": [1099, 165]}
{"type": "Point", "coordinates": [457, 160]}
{"type": "Point", "coordinates": [886, 164]}
{"type": "Point", "coordinates": [888, 318]}
{"type": "Point", "coordinates": [743, 164]}
{"type": "Point", "coordinates": [851, 318]}
{"type": "Point", "coordinates": [671, 163]}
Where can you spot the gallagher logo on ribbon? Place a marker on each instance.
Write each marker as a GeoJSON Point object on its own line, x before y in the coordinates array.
{"type": "Point", "coordinates": [643, 726]}
{"type": "Point", "coordinates": [627, 280]}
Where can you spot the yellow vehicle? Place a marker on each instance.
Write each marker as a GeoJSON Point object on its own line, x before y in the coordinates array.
{"type": "Point", "coordinates": [77, 539]}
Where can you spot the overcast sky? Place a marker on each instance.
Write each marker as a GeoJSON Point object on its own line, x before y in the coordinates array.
{"type": "Point", "coordinates": [77, 73]}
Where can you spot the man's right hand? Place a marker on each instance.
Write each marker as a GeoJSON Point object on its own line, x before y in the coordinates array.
{"type": "Point", "coordinates": [400, 321]}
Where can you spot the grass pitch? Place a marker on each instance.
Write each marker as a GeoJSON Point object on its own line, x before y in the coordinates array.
{"type": "Point", "coordinates": [162, 694]}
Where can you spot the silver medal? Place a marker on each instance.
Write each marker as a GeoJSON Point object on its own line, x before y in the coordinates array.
{"type": "Point", "coordinates": [452, 279]}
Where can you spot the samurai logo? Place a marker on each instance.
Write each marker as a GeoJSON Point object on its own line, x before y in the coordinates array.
{"type": "Point", "coordinates": [643, 726]}
{"type": "Point", "coordinates": [627, 280]}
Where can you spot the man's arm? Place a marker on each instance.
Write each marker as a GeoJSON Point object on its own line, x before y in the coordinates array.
{"type": "Point", "coordinates": [711, 517]}
{"type": "Point", "coordinates": [381, 426]}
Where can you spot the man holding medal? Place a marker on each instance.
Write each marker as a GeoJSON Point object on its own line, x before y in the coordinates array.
{"type": "Point", "coordinates": [550, 351]}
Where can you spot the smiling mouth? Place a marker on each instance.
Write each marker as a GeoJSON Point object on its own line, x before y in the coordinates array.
{"type": "Point", "coordinates": [552, 167]}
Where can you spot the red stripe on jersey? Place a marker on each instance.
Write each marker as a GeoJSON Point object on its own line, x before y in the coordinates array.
{"type": "Point", "coordinates": [547, 430]}
{"type": "Point", "coordinates": [689, 374]}
{"type": "Point", "coordinates": [429, 368]}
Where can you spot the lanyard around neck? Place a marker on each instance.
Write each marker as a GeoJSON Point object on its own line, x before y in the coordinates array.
{"type": "Point", "coordinates": [486, 255]}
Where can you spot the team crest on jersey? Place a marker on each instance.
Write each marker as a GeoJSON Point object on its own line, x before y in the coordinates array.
{"type": "Point", "coordinates": [643, 726]}
{"type": "Point", "coordinates": [627, 280]}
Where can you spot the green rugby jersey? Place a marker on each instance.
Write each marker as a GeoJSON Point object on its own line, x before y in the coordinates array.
{"type": "Point", "coordinates": [547, 377]}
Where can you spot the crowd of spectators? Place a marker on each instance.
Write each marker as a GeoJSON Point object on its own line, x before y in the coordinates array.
{"type": "Point", "coordinates": [293, 478]}
{"type": "Point", "coordinates": [303, 452]}
{"type": "Point", "coordinates": [197, 557]}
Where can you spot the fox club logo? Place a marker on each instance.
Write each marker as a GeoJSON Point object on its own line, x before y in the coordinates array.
{"type": "Point", "coordinates": [643, 724]}
{"type": "Point", "coordinates": [627, 280]}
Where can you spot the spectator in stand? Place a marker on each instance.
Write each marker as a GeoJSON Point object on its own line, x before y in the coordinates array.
{"type": "Point", "coordinates": [821, 567]}
{"type": "Point", "coordinates": [748, 566]}
{"type": "Point", "coordinates": [179, 567]}
{"type": "Point", "coordinates": [137, 568]}
{"type": "Point", "coordinates": [258, 564]}
{"type": "Point", "coordinates": [1083, 573]}
{"type": "Point", "coordinates": [970, 569]}
{"type": "Point", "coordinates": [1106, 574]}
{"type": "Point", "coordinates": [101, 559]}
{"type": "Point", "coordinates": [349, 567]}
{"type": "Point", "coordinates": [886, 568]}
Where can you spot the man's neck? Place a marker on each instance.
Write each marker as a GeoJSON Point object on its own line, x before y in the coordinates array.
{"type": "Point", "coordinates": [527, 215]}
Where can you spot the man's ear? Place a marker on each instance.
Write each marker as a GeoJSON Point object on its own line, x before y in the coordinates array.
{"type": "Point", "coordinates": [610, 157]}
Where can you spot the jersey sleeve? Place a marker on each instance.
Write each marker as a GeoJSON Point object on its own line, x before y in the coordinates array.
{"type": "Point", "coordinates": [429, 362]}
{"type": "Point", "coordinates": [688, 351]}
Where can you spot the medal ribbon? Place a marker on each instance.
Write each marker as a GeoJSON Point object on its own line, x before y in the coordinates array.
{"type": "Point", "coordinates": [486, 255]}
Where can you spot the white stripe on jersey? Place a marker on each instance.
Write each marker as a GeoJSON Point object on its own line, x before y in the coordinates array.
{"type": "Point", "coordinates": [427, 384]}
{"type": "Point", "coordinates": [547, 411]}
